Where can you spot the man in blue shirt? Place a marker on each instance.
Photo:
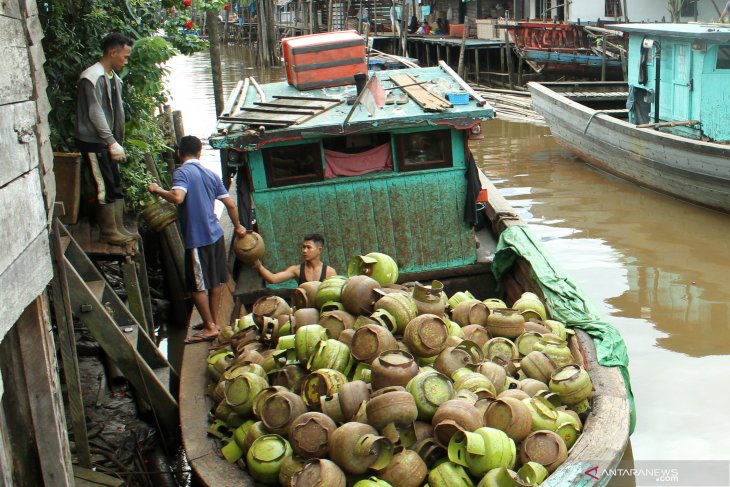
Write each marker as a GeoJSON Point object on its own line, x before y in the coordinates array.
{"type": "Point", "coordinates": [194, 190]}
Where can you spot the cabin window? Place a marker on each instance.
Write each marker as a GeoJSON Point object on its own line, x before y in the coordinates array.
{"type": "Point", "coordinates": [723, 57]}
{"type": "Point", "coordinates": [424, 150]}
{"type": "Point", "coordinates": [293, 164]}
{"type": "Point", "coordinates": [613, 8]}
{"type": "Point", "coordinates": [354, 143]}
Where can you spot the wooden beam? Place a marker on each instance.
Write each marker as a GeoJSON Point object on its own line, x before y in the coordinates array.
{"type": "Point", "coordinates": [69, 357]}
{"type": "Point", "coordinates": [134, 293]}
{"type": "Point", "coordinates": [46, 405]}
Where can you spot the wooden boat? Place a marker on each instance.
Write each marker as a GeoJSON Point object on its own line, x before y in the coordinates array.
{"type": "Point", "coordinates": [684, 151]}
{"type": "Point", "coordinates": [421, 225]}
{"type": "Point", "coordinates": [562, 48]}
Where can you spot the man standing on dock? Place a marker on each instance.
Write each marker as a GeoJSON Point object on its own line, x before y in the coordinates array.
{"type": "Point", "coordinates": [194, 190]}
{"type": "Point", "coordinates": [100, 133]}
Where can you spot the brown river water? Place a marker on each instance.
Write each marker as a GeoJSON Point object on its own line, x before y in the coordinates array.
{"type": "Point", "coordinates": [656, 268]}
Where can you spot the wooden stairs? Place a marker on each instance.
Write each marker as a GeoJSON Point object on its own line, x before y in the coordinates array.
{"type": "Point", "coordinates": [118, 332]}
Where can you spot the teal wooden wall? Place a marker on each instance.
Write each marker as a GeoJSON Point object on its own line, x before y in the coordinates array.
{"type": "Point", "coordinates": [708, 98]}
{"type": "Point", "coordinates": [415, 217]}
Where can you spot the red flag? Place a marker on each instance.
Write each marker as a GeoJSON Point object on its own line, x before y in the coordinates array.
{"type": "Point", "coordinates": [373, 96]}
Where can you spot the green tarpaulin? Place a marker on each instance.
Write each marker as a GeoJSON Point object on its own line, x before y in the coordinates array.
{"type": "Point", "coordinates": [566, 301]}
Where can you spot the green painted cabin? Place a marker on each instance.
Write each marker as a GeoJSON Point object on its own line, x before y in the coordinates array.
{"type": "Point", "coordinates": [694, 73]}
{"type": "Point", "coordinates": [413, 212]}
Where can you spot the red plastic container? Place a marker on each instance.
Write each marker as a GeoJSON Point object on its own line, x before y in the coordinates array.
{"type": "Point", "coordinates": [457, 30]}
{"type": "Point", "coordinates": [323, 60]}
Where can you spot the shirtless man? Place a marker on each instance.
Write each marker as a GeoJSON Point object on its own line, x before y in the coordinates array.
{"type": "Point", "coordinates": [311, 269]}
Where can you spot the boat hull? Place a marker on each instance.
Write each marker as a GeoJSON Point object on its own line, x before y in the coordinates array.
{"type": "Point", "coordinates": [691, 170]}
{"type": "Point", "coordinates": [601, 445]}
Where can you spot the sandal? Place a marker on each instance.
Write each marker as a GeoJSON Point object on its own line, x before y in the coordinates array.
{"type": "Point", "coordinates": [199, 338]}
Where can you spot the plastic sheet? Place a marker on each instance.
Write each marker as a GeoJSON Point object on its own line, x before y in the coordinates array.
{"type": "Point", "coordinates": [566, 301]}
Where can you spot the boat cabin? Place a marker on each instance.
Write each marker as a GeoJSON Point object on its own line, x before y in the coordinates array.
{"type": "Point", "coordinates": [391, 181]}
{"type": "Point", "coordinates": [682, 73]}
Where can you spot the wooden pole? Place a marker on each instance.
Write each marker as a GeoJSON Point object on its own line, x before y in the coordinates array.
{"type": "Point", "coordinates": [508, 55]}
{"type": "Point", "coordinates": [462, 51]}
{"type": "Point", "coordinates": [177, 124]}
{"type": "Point", "coordinates": [330, 27]}
{"type": "Point", "coordinates": [404, 28]}
{"type": "Point", "coordinates": [225, 27]}
{"type": "Point", "coordinates": [360, 20]}
{"type": "Point", "coordinates": [603, 58]}
{"type": "Point", "coordinates": [215, 61]}
{"type": "Point", "coordinates": [311, 16]}
{"type": "Point", "coordinates": [271, 32]}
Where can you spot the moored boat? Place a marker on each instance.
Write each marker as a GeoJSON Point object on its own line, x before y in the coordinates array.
{"type": "Point", "coordinates": [566, 48]}
{"type": "Point", "coordinates": [675, 137]}
{"type": "Point", "coordinates": [403, 193]}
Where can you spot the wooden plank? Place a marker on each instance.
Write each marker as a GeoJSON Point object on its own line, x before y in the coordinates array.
{"type": "Point", "coordinates": [246, 121]}
{"type": "Point", "coordinates": [267, 119]}
{"type": "Point", "coordinates": [281, 110]}
{"type": "Point", "coordinates": [366, 222]}
{"type": "Point", "coordinates": [425, 99]}
{"type": "Point", "coordinates": [436, 243]}
{"type": "Point", "coordinates": [144, 287]}
{"type": "Point", "coordinates": [134, 293]}
{"type": "Point", "coordinates": [33, 268]}
{"type": "Point", "coordinates": [348, 217]}
{"type": "Point", "coordinates": [307, 98]}
{"type": "Point", "coordinates": [97, 289]}
{"type": "Point", "coordinates": [18, 436]}
{"type": "Point", "coordinates": [18, 158]}
{"type": "Point", "coordinates": [85, 477]}
{"type": "Point", "coordinates": [67, 342]}
{"type": "Point", "coordinates": [16, 84]}
{"type": "Point", "coordinates": [420, 231]}
{"type": "Point", "coordinates": [6, 462]}
{"type": "Point", "coordinates": [131, 334]}
{"type": "Point", "coordinates": [46, 405]}
{"type": "Point", "coordinates": [334, 233]}
{"type": "Point", "coordinates": [399, 203]}
{"type": "Point", "coordinates": [381, 213]}
{"type": "Point", "coordinates": [12, 9]}
{"type": "Point", "coordinates": [293, 105]}
{"type": "Point", "coordinates": [24, 216]}
{"type": "Point", "coordinates": [105, 331]}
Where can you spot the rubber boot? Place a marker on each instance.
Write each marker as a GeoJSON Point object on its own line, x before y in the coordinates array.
{"type": "Point", "coordinates": [107, 226]}
{"type": "Point", "coordinates": [119, 220]}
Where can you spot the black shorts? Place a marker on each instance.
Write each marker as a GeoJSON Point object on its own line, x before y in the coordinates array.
{"type": "Point", "coordinates": [206, 267]}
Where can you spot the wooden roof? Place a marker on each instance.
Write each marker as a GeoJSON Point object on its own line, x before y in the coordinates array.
{"type": "Point", "coordinates": [323, 112]}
